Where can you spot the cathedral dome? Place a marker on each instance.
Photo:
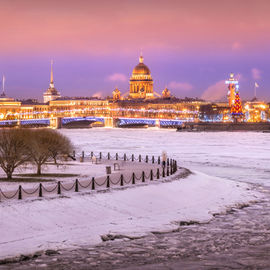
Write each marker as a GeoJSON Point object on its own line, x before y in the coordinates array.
{"type": "Point", "coordinates": [141, 68]}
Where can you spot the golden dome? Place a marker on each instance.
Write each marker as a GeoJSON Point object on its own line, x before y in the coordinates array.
{"type": "Point", "coordinates": [141, 68]}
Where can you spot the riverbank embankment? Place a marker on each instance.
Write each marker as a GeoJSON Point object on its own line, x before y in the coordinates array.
{"type": "Point", "coordinates": [218, 126]}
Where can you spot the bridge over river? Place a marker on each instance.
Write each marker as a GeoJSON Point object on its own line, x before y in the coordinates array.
{"type": "Point", "coordinates": [69, 122]}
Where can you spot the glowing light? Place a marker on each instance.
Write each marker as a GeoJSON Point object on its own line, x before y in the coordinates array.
{"type": "Point", "coordinates": [231, 82]}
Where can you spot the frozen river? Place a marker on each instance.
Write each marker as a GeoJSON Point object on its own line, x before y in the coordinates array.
{"type": "Point", "coordinates": [241, 156]}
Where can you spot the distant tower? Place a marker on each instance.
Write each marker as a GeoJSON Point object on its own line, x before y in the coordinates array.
{"type": "Point", "coordinates": [3, 95]}
{"type": "Point", "coordinates": [166, 93]}
{"type": "Point", "coordinates": [233, 86]}
{"type": "Point", "coordinates": [116, 94]}
{"type": "Point", "coordinates": [51, 93]}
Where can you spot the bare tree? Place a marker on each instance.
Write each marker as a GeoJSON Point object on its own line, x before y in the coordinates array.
{"type": "Point", "coordinates": [45, 144]}
{"type": "Point", "coordinates": [13, 149]}
{"type": "Point", "coordinates": [61, 146]}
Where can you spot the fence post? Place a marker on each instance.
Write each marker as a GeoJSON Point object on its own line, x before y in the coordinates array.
{"type": "Point", "coordinates": [158, 160]}
{"type": "Point", "coordinates": [163, 172]}
{"type": "Point", "coordinates": [76, 185]}
{"type": "Point", "coordinates": [132, 157]}
{"type": "Point", "coordinates": [116, 156]}
{"type": "Point", "coordinates": [40, 190]}
{"type": "Point", "coordinates": [168, 171]}
{"type": "Point", "coordinates": [121, 180]}
{"type": "Point", "coordinates": [125, 157]}
{"type": "Point", "coordinates": [100, 155]}
{"type": "Point", "coordinates": [58, 187]}
{"type": "Point", "coordinates": [176, 166]}
{"type": "Point", "coordinates": [151, 175]}
{"type": "Point", "coordinates": [92, 154]}
{"type": "Point", "coordinates": [74, 154]}
{"type": "Point", "coordinates": [109, 156]}
{"type": "Point", "coordinates": [153, 159]}
{"type": "Point", "coordinates": [140, 158]}
{"type": "Point", "coordinates": [168, 161]}
{"type": "Point", "coordinates": [133, 178]}
{"type": "Point", "coordinates": [20, 193]}
{"type": "Point", "coordinates": [93, 183]}
{"type": "Point", "coordinates": [171, 169]}
{"type": "Point", "coordinates": [82, 154]}
{"type": "Point", "coordinates": [158, 173]}
{"type": "Point", "coordinates": [108, 181]}
{"type": "Point", "coordinates": [146, 159]}
{"type": "Point", "coordinates": [143, 177]}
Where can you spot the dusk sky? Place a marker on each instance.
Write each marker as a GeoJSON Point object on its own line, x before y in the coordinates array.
{"type": "Point", "coordinates": [190, 46]}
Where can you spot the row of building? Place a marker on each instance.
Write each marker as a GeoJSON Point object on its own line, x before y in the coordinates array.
{"type": "Point", "coordinates": [140, 102]}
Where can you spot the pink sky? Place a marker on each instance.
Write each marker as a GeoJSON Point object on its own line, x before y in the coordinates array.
{"type": "Point", "coordinates": [103, 27]}
{"type": "Point", "coordinates": [189, 45]}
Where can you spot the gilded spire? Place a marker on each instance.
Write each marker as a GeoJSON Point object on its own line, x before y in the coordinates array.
{"type": "Point", "coordinates": [51, 83]}
{"type": "Point", "coordinates": [141, 58]}
{"type": "Point", "coordinates": [3, 86]}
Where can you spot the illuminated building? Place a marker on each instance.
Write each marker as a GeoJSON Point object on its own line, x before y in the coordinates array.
{"type": "Point", "coordinates": [9, 108]}
{"type": "Point", "coordinates": [256, 111]}
{"type": "Point", "coordinates": [142, 102]}
{"type": "Point", "coordinates": [141, 82]}
{"type": "Point", "coordinates": [70, 107]}
{"type": "Point", "coordinates": [51, 93]}
{"type": "Point", "coordinates": [166, 93]}
{"type": "Point", "coordinates": [232, 86]}
{"type": "Point", "coordinates": [116, 94]}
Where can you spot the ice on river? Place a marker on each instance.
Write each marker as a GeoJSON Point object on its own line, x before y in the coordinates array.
{"type": "Point", "coordinates": [240, 156]}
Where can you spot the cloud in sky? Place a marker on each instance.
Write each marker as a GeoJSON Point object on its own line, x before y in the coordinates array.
{"type": "Point", "coordinates": [256, 74]}
{"type": "Point", "coordinates": [181, 86]}
{"type": "Point", "coordinates": [215, 92]}
{"type": "Point", "coordinates": [236, 46]}
{"type": "Point", "coordinates": [98, 95]}
{"type": "Point", "coordinates": [117, 77]}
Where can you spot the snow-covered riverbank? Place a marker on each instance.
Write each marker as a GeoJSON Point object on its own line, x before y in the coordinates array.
{"type": "Point", "coordinates": [224, 158]}
{"type": "Point", "coordinates": [30, 226]}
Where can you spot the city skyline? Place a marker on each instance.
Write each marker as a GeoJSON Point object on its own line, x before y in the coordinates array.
{"type": "Point", "coordinates": [190, 47]}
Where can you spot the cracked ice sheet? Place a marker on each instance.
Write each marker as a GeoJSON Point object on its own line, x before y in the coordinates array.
{"type": "Point", "coordinates": [28, 226]}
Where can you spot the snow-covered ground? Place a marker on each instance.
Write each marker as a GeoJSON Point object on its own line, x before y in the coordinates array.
{"type": "Point", "coordinates": [58, 223]}
{"type": "Point", "coordinates": [218, 160]}
{"type": "Point", "coordinates": [84, 170]}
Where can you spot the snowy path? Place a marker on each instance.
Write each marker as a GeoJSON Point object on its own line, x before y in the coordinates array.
{"type": "Point", "coordinates": [67, 186]}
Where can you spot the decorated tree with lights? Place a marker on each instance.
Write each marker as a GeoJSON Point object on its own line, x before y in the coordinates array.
{"type": "Point", "coordinates": [236, 109]}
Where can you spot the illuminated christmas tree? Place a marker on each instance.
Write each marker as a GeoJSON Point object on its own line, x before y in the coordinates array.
{"type": "Point", "coordinates": [236, 109]}
{"type": "Point", "coordinates": [237, 106]}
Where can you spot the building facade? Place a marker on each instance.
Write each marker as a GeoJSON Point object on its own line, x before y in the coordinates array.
{"type": "Point", "coordinates": [141, 82]}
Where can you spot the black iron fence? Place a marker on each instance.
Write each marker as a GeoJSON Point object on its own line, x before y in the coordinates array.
{"type": "Point", "coordinates": [154, 174]}
{"type": "Point", "coordinates": [100, 156]}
